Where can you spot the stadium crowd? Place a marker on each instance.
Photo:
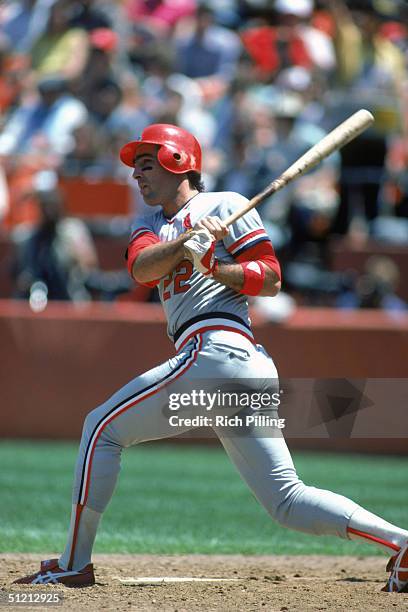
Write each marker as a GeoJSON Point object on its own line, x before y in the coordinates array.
{"type": "Point", "coordinates": [257, 81]}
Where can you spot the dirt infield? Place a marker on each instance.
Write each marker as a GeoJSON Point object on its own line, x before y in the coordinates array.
{"type": "Point", "coordinates": [259, 583]}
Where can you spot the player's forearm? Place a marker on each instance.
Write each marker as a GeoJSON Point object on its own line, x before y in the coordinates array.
{"type": "Point", "coordinates": [158, 260]}
{"type": "Point", "coordinates": [232, 275]}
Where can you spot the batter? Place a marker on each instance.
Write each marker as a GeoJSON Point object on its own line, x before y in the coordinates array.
{"type": "Point", "coordinates": [204, 273]}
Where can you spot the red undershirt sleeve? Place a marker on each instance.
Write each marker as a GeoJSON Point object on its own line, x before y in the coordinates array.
{"type": "Point", "coordinates": [134, 249]}
{"type": "Point", "coordinates": [263, 251]}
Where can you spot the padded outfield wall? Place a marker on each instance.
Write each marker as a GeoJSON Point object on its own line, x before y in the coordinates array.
{"type": "Point", "coordinates": [59, 364]}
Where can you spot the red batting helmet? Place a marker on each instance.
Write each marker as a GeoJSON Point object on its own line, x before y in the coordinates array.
{"type": "Point", "coordinates": [179, 150]}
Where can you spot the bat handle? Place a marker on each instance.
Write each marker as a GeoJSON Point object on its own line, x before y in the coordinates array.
{"type": "Point", "coordinates": [272, 188]}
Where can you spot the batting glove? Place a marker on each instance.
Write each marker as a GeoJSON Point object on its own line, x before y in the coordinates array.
{"type": "Point", "coordinates": [200, 248]}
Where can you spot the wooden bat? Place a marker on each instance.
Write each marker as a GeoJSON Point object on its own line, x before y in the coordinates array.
{"type": "Point", "coordinates": [334, 140]}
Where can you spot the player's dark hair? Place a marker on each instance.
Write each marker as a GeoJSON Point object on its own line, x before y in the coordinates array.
{"type": "Point", "coordinates": [194, 178]}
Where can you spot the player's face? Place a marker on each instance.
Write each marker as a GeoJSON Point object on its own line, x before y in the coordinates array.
{"type": "Point", "coordinates": [154, 181]}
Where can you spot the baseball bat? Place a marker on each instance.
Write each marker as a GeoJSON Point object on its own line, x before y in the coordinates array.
{"type": "Point", "coordinates": [334, 140]}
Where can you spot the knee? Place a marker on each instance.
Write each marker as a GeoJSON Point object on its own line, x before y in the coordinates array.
{"type": "Point", "coordinates": [91, 421]}
{"type": "Point", "coordinates": [118, 431]}
{"type": "Point", "coordinates": [96, 424]}
{"type": "Point", "coordinates": [284, 499]}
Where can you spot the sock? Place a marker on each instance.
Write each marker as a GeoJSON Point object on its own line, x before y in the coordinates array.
{"type": "Point", "coordinates": [81, 537]}
{"type": "Point", "coordinates": [366, 526]}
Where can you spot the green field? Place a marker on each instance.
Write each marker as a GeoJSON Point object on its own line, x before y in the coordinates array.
{"type": "Point", "coordinates": [183, 499]}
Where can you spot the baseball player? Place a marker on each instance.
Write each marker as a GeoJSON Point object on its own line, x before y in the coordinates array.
{"type": "Point", "coordinates": [204, 273]}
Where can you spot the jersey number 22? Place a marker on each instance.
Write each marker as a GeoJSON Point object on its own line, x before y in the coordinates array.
{"type": "Point", "coordinates": [179, 278]}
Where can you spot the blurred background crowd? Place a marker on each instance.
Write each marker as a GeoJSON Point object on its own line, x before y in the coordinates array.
{"type": "Point", "coordinates": [258, 82]}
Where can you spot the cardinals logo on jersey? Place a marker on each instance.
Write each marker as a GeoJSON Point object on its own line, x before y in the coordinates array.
{"type": "Point", "coordinates": [187, 222]}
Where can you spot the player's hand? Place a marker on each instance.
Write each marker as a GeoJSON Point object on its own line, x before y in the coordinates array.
{"type": "Point", "coordinates": [214, 225]}
{"type": "Point", "coordinates": [200, 249]}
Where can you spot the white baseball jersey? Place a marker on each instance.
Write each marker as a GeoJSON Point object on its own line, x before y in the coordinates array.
{"type": "Point", "coordinates": [192, 301]}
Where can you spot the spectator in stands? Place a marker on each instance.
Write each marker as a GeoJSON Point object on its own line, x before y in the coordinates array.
{"type": "Point", "coordinates": [143, 44]}
{"type": "Point", "coordinates": [208, 52]}
{"type": "Point", "coordinates": [88, 16]}
{"type": "Point", "coordinates": [58, 252]}
{"type": "Point", "coordinates": [398, 175]}
{"type": "Point", "coordinates": [105, 98]}
{"type": "Point", "coordinates": [60, 48]}
{"type": "Point", "coordinates": [286, 37]}
{"type": "Point", "coordinates": [371, 71]}
{"type": "Point", "coordinates": [397, 31]}
{"type": "Point", "coordinates": [159, 14]}
{"type": "Point", "coordinates": [391, 226]}
{"type": "Point", "coordinates": [300, 42]}
{"type": "Point", "coordinates": [311, 87]}
{"type": "Point", "coordinates": [127, 64]}
{"type": "Point", "coordinates": [100, 66]}
{"type": "Point", "coordinates": [298, 218]}
{"type": "Point", "coordinates": [132, 115]}
{"type": "Point", "coordinates": [15, 18]}
{"type": "Point", "coordinates": [365, 57]}
{"type": "Point", "coordinates": [191, 111]}
{"type": "Point", "coordinates": [90, 155]}
{"type": "Point", "coordinates": [227, 12]}
{"type": "Point", "coordinates": [241, 172]}
{"type": "Point", "coordinates": [13, 70]}
{"type": "Point", "coordinates": [375, 288]}
{"type": "Point", "coordinates": [23, 21]}
{"type": "Point", "coordinates": [280, 135]}
{"type": "Point", "coordinates": [158, 66]}
{"type": "Point", "coordinates": [44, 121]}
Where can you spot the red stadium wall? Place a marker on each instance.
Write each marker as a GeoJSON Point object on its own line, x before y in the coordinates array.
{"type": "Point", "coordinates": [57, 365]}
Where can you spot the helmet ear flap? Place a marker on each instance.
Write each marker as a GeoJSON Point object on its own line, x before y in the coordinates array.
{"type": "Point", "coordinates": [172, 159]}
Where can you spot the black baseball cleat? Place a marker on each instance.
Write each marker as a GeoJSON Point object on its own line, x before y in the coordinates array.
{"type": "Point", "coordinates": [51, 573]}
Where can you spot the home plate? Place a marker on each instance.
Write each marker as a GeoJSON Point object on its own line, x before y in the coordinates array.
{"type": "Point", "coordinates": [167, 579]}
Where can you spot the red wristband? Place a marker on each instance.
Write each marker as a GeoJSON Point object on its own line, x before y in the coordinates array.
{"type": "Point", "coordinates": [254, 276]}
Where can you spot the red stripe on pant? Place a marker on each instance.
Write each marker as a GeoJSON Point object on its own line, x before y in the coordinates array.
{"type": "Point", "coordinates": [80, 507]}
{"type": "Point", "coordinates": [368, 536]}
